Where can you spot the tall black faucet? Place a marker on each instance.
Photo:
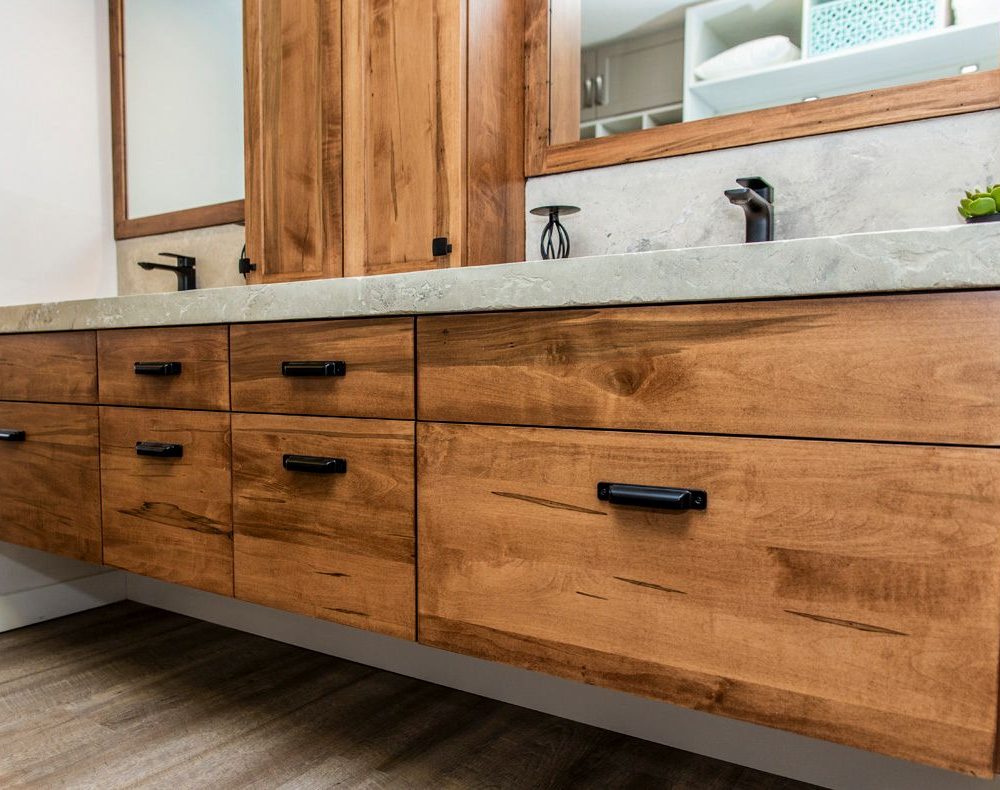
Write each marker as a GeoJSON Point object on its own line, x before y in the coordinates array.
{"type": "Point", "coordinates": [757, 199]}
{"type": "Point", "coordinates": [186, 279]}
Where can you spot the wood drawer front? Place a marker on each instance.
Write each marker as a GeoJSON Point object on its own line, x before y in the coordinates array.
{"type": "Point", "coordinates": [203, 354]}
{"type": "Point", "coordinates": [335, 546]}
{"type": "Point", "coordinates": [378, 356]}
{"type": "Point", "coordinates": [169, 518]}
{"type": "Point", "coordinates": [50, 482]}
{"type": "Point", "coordinates": [60, 367]}
{"type": "Point", "coordinates": [920, 368]}
{"type": "Point", "coordinates": [846, 591]}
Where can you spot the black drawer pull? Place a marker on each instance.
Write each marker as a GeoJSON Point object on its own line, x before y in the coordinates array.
{"type": "Point", "coordinates": [332, 368]}
{"type": "Point", "coordinates": [12, 436]}
{"type": "Point", "coordinates": [314, 463]}
{"type": "Point", "coordinates": [652, 496]}
{"type": "Point", "coordinates": [157, 368]}
{"type": "Point", "coordinates": [159, 449]}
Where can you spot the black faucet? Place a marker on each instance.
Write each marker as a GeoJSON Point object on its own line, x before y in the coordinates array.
{"type": "Point", "coordinates": [186, 280]}
{"type": "Point", "coordinates": [757, 199]}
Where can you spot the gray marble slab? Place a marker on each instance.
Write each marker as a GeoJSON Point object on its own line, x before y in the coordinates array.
{"type": "Point", "coordinates": [953, 257]}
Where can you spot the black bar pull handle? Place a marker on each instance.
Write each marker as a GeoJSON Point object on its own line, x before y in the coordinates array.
{"type": "Point", "coordinates": [157, 368]}
{"type": "Point", "coordinates": [652, 496]}
{"type": "Point", "coordinates": [315, 463]}
{"type": "Point", "coordinates": [10, 435]}
{"type": "Point", "coordinates": [159, 449]}
{"type": "Point", "coordinates": [331, 368]}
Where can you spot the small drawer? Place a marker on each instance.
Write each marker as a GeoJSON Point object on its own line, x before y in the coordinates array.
{"type": "Point", "coordinates": [845, 591]}
{"type": "Point", "coordinates": [165, 480]}
{"type": "Point", "coordinates": [919, 368]}
{"type": "Point", "coordinates": [59, 367]}
{"type": "Point", "coordinates": [324, 518]}
{"type": "Point", "coordinates": [183, 367]}
{"type": "Point", "coordinates": [50, 479]}
{"type": "Point", "coordinates": [336, 368]}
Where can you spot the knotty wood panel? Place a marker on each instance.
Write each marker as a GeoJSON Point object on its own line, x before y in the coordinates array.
{"type": "Point", "coordinates": [169, 518]}
{"type": "Point", "coordinates": [294, 162]}
{"type": "Point", "coordinates": [846, 591]}
{"type": "Point", "coordinates": [203, 352]}
{"type": "Point", "coordinates": [378, 354]}
{"type": "Point", "coordinates": [920, 368]}
{"type": "Point", "coordinates": [57, 367]}
{"type": "Point", "coordinates": [50, 483]}
{"type": "Point", "coordinates": [404, 133]}
{"type": "Point", "coordinates": [335, 546]}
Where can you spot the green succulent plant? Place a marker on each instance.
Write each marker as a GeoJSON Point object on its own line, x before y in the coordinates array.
{"type": "Point", "coordinates": [981, 203]}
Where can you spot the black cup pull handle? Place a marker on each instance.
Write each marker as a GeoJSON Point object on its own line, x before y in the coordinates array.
{"type": "Point", "coordinates": [652, 496]}
{"type": "Point", "coordinates": [157, 368]}
{"type": "Point", "coordinates": [159, 449]}
{"type": "Point", "coordinates": [9, 435]}
{"type": "Point", "coordinates": [321, 368]}
{"type": "Point", "coordinates": [315, 463]}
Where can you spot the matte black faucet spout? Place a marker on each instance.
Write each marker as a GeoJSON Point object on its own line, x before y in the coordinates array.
{"type": "Point", "coordinates": [185, 271]}
{"type": "Point", "coordinates": [757, 199]}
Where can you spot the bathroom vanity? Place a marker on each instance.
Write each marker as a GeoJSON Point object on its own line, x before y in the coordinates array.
{"type": "Point", "coordinates": [761, 482]}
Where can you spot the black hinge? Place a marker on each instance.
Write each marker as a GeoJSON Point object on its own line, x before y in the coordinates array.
{"type": "Point", "coordinates": [246, 267]}
{"type": "Point", "coordinates": [440, 246]}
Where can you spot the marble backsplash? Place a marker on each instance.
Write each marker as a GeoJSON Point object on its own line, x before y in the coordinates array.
{"type": "Point", "coordinates": [885, 178]}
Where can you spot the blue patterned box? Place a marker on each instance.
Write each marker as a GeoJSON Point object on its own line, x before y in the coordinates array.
{"type": "Point", "coordinates": [841, 24]}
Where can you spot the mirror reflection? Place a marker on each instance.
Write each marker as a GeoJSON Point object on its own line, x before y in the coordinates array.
{"type": "Point", "coordinates": [627, 65]}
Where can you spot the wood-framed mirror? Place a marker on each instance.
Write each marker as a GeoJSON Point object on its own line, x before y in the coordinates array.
{"type": "Point", "coordinates": [616, 81]}
{"type": "Point", "coordinates": [176, 114]}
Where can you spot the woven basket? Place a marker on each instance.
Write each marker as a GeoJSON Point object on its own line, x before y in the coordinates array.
{"type": "Point", "coordinates": [841, 24]}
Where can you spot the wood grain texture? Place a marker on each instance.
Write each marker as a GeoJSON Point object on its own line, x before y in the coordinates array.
{"type": "Point", "coordinates": [379, 381]}
{"type": "Point", "coordinates": [203, 352]}
{"type": "Point", "coordinates": [339, 547]}
{"type": "Point", "coordinates": [169, 518]}
{"type": "Point", "coordinates": [843, 591]}
{"type": "Point", "coordinates": [404, 133]}
{"type": "Point", "coordinates": [564, 88]}
{"type": "Point", "coordinates": [294, 164]}
{"type": "Point", "coordinates": [50, 492]}
{"type": "Point", "coordinates": [932, 99]}
{"type": "Point", "coordinates": [129, 696]}
{"type": "Point", "coordinates": [59, 367]}
{"type": "Point", "coordinates": [919, 368]}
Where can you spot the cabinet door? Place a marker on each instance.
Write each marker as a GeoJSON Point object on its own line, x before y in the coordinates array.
{"type": "Point", "coordinates": [404, 67]}
{"type": "Point", "coordinates": [294, 212]}
{"type": "Point", "coordinates": [640, 73]}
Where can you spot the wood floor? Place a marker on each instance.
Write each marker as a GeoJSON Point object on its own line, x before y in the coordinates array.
{"type": "Point", "coordinates": [129, 696]}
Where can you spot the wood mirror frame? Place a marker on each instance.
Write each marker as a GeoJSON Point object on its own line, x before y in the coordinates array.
{"type": "Point", "coordinates": [185, 219]}
{"type": "Point", "coordinates": [933, 99]}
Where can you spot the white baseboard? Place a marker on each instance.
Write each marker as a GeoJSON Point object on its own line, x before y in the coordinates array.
{"type": "Point", "coordinates": [806, 759]}
{"type": "Point", "coordinates": [25, 607]}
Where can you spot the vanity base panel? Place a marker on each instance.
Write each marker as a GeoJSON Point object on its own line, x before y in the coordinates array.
{"type": "Point", "coordinates": [845, 591]}
{"type": "Point", "coordinates": [54, 367]}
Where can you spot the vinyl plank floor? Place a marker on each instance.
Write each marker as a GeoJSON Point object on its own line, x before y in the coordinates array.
{"type": "Point", "coordinates": [130, 696]}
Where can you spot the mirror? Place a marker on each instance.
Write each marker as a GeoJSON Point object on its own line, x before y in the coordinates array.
{"type": "Point", "coordinates": [621, 66]}
{"type": "Point", "coordinates": [177, 84]}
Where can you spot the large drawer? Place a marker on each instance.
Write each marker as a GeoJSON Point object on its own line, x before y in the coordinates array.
{"type": "Point", "coordinates": [846, 591]}
{"type": "Point", "coordinates": [920, 368]}
{"type": "Point", "coordinates": [57, 367]}
{"type": "Point", "coordinates": [185, 367]}
{"type": "Point", "coordinates": [167, 504]}
{"type": "Point", "coordinates": [334, 541]}
{"type": "Point", "coordinates": [361, 368]}
{"type": "Point", "coordinates": [50, 479]}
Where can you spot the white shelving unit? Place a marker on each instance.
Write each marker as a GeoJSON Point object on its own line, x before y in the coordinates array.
{"type": "Point", "coordinates": [632, 122]}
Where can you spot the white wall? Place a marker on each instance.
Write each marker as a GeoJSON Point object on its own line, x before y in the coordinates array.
{"type": "Point", "coordinates": [55, 225]}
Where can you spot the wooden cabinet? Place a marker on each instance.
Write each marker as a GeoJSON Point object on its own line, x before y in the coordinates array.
{"type": "Point", "coordinates": [919, 368]}
{"type": "Point", "coordinates": [50, 479]}
{"type": "Point", "coordinates": [56, 367]}
{"type": "Point", "coordinates": [324, 518]}
{"type": "Point", "coordinates": [352, 368]}
{"type": "Point", "coordinates": [166, 486]}
{"type": "Point", "coordinates": [293, 115]}
{"type": "Point", "coordinates": [170, 367]}
{"type": "Point", "coordinates": [846, 591]}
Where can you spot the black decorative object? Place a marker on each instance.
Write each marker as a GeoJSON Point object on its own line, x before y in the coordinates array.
{"type": "Point", "coordinates": [555, 239]}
